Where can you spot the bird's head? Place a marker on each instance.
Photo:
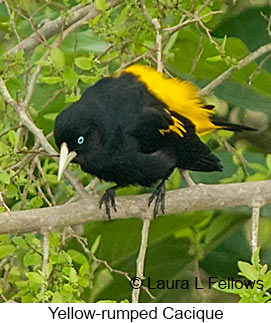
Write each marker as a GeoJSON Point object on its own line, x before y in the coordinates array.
{"type": "Point", "coordinates": [75, 135]}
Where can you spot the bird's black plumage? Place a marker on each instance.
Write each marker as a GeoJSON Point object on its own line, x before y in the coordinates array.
{"type": "Point", "coordinates": [115, 130]}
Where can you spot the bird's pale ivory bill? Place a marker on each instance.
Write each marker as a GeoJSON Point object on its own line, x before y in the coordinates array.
{"type": "Point", "coordinates": [65, 158]}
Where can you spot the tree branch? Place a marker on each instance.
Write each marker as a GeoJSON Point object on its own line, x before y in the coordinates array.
{"type": "Point", "coordinates": [53, 27]}
{"type": "Point", "coordinates": [198, 197]}
{"type": "Point", "coordinates": [242, 63]}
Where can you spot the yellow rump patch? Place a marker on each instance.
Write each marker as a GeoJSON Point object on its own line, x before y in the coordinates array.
{"type": "Point", "coordinates": [179, 96]}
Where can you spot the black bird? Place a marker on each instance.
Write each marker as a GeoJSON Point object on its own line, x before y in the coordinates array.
{"type": "Point", "coordinates": [134, 128]}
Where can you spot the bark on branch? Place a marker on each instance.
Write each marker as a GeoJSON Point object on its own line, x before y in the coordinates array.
{"type": "Point", "coordinates": [198, 197]}
{"type": "Point", "coordinates": [54, 27]}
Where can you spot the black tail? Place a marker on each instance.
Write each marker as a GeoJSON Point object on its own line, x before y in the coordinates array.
{"type": "Point", "coordinates": [206, 163]}
{"type": "Point", "coordinates": [232, 126]}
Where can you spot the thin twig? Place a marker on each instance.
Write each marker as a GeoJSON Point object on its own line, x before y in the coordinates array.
{"type": "Point", "coordinates": [46, 247]}
{"type": "Point", "coordinates": [268, 19]}
{"type": "Point", "coordinates": [181, 24]}
{"type": "Point", "coordinates": [187, 178]}
{"type": "Point", "coordinates": [48, 189]}
{"type": "Point", "coordinates": [145, 12]}
{"type": "Point", "coordinates": [12, 21]}
{"type": "Point", "coordinates": [4, 203]}
{"type": "Point", "coordinates": [19, 134]}
{"type": "Point", "coordinates": [240, 158]}
{"type": "Point", "coordinates": [4, 132]}
{"type": "Point", "coordinates": [202, 7]}
{"type": "Point", "coordinates": [158, 29]}
{"type": "Point", "coordinates": [258, 69]}
{"type": "Point", "coordinates": [255, 220]}
{"type": "Point", "coordinates": [140, 261]}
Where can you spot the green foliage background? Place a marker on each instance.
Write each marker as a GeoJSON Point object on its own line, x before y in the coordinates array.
{"type": "Point", "coordinates": [181, 246]}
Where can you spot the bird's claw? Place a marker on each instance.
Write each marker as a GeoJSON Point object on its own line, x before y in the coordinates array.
{"type": "Point", "coordinates": [108, 199]}
{"type": "Point", "coordinates": [159, 195]}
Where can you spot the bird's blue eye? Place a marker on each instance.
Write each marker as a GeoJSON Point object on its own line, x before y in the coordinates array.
{"type": "Point", "coordinates": [80, 140]}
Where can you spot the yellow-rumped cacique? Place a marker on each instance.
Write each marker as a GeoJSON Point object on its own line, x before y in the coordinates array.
{"type": "Point", "coordinates": [134, 128]}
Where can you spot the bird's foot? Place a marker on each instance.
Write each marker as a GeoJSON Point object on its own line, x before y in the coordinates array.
{"type": "Point", "coordinates": [159, 195]}
{"type": "Point", "coordinates": [108, 199]}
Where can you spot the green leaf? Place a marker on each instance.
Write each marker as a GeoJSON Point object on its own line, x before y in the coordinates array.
{"type": "Point", "coordinates": [4, 237]}
{"type": "Point", "coordinates": [64, 258]}
{"type": "Point", "coordinates": [2, 64]}
{"type": "Point", "coordinates": [50, 79]}
{"type": "Point", "coordinates": [36, 202]}
{"type": "Point", "coordinates": [268, 161]}
{"type": "Point", "coordinates": [21, 283]}
{"type": "Point", "coordinates": [125, 301]}
{"type": "Point", "coordinates": [51, 178]}
{"type": "Point", "coordinates": [12, 137]}
{"type": "Point", "coordinates": [11, 191]}
{"type": "Point", "coordinates": [43, 63]}
{"type": "Point", "coordinates": [68, 288]}
{"type": "Point", "coordinates": [95, 21]}
{"type": "Point", "coordinates": [35, 277]}
{"type": "Point", "coordinates": [84, 269]}
{"type": "Point", "coordinates": [71, 98]}
{"type": "Point", "coordinates": [48, 270]}
{"type": "Point", "coordinates": [4, 177]}
{"type": "Point", "coordinates": [216, 58]}
{"type": "Point", "coordinates": [101, 4]}
{"type": "Point", "coordinates": [95, 244]}
{"type": "Point", "coordinates": [229, 290]}
{"type": "Point", "coordinates": [32, 259]}
{"type": "Point", "coordinates": [20, 242]}
{"type": "Point", "coordinates": [86, 79]}
{"type": "Point", "coordinates": [77, 256]}
{"type": "Point", "coordinates": [87, 42]}
{"type": "Point", "coordinates": [122, 16]}
{"type": "Point", "coordinates": [57, 298]}
{"type": "Point", "coordinates": [54, 239]}
{"type": "Point", "coordinates": [58, 57]}
{"type": "Point", "coordinates": [73, 275]}
{"type": "Point", "coordinates": [83, 281]}
{"type": "Point", "coordinates": [255, 259]}
{"type": "Point", "coordinates": [263, 269]}
{"type": "Point", "coordinates": [6, 250]}
{"type": "Point", "coordinates": [50, 116]}
{"type": "Point", "coordinates": [204, 12]}
{"type": "Point", "coordinates": [27, 298]}
{"type": "Point", "coordinates": [70, 77]}
{"type": "Point", "coordinates": [3, 148]}
{"type": "Point", "coordinates": [83, 63]}
{"type": "Point", "coordinates": [248, 270]}
{"type": "Point", "coordinates": [267, 280]}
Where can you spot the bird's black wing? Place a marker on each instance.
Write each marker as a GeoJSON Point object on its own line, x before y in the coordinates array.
{"type": "Point", "coordinates": [188, 150]}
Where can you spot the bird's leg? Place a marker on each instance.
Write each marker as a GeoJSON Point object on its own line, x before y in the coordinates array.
{"type": "Point", "coordinates": [159, 196]}
{"type": "Point", "coordinates": [108, 199]}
